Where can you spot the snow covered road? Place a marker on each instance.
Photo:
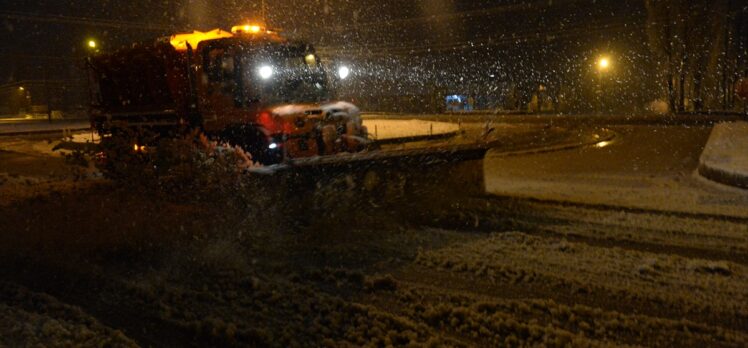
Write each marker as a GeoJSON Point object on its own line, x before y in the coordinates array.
{"type": "Point", "coordinates": [648, 167]}
{"type": "Point", "coordinates": [515, 272]}
{"type": "Point", "coordinates": [614, 244]}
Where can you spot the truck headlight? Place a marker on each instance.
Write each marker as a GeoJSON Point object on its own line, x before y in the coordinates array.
{"type": "Point", "coordinates": [266, 71]}
{"type": "Point", "coordinates": [343, 72]}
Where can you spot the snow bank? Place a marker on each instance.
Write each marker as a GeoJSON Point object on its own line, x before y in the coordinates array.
{"type": "Point", "coordinates": [292, 109]}
{"type": "Point", "coordinates": [353, 112]}
{"type": "Point", "coordinates": [30, 319]}
{"type": "Point", "coordinates": [725, 157]}
{"type": "Point", "coordinates": [333, 108]}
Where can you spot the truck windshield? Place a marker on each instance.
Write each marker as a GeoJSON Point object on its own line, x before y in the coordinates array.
{"type": "Point", "coordinates": [279, 73]}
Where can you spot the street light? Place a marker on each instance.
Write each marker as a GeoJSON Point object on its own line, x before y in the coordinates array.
{"type": "Point", "coordinates": [603, 64]}
{"type": "Point", "coordinates": [92, 45]}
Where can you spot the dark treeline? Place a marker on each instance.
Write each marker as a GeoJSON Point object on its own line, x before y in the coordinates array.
{"type": "Point", "coordinates": [676, 55]}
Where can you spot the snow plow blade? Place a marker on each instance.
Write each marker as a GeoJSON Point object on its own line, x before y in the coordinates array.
{"type": "Point", "coordinates": [434, 175]}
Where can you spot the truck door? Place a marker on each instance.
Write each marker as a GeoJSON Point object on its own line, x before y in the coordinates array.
{"type": "Point", "coordinates": [221, 94]}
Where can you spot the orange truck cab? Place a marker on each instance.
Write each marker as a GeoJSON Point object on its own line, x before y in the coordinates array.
{"type": "Point", "coordinates": [249, 87]}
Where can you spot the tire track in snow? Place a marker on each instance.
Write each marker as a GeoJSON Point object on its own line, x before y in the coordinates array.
{"type": "Point", "coordinates": [683, 287]}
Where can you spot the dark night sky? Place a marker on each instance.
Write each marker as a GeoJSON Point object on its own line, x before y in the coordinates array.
{"type": "Point", "coordinates": [33, 34]}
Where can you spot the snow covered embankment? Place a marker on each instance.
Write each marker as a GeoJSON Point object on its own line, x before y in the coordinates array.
{"type": "Point", "coordinates": [725, 157]}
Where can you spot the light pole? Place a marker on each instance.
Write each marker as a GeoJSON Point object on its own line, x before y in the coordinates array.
{"type": "Point", "coordinates": [22, 99]}
{"type": "Point", "coordinates": [603, 65]}
{"type": "Point", "coordinates": [263, 13]}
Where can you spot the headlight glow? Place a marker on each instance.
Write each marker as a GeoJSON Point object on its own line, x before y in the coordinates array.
{"type": "Point", "coordinates": [266, 72]}
{"type": "Point", "coordinates": [343, 72]}
{"type": "Point", "coordinates": [273, 146]}
{"type": "Point", "coordinates": [311, 60]}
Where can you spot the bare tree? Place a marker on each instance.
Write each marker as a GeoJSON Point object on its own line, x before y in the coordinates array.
{"type": "Point", "coordinates": [661, 29]}
{"type": "Point", "coordinates": [692, 41]}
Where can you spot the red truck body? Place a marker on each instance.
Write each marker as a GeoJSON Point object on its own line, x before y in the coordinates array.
{"type": "Point", "coordinates": [251, 88]}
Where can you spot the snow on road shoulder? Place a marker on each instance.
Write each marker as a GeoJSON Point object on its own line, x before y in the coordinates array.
{"type": "Point", "coordinates": [52, 146]}
{"type": "Point", "coordinates": [725, 157]}
{"type": "Point", "coordinates": [692, 285]}
{"type": "Point", "coordinates": [676, 194]}
{"type": "Point", "coordinates": [497, 322]}
{"type": "Point", "coordinates": [17, 188]}
{"type": "Point", "coordinates": [29, 319]}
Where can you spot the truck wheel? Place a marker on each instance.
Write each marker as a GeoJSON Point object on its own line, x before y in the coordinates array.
{"type": "Point", "coordinates": [253, 141]}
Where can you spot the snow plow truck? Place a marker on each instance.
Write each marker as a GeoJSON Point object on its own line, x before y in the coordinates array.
{"type": "Point", "coordinates": [249, 87]}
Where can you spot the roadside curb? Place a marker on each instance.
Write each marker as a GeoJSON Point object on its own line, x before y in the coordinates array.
{"type": "Point", "coordinates": [607, 136]}
{"type": "Point", "coordinates": [415, 138]}
{"type": "Point", "coordinates": [723, 177]}
{"type": "Point", "coordinates": [724, 149]}
{"type": "Point", "coordinates": [682, 119]}
{"type": "Point", "coordinates": [44, 131]}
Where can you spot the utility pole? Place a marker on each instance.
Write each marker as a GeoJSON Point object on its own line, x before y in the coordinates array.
{"type": "Point", "coordinates": [726, 56]}
{"type": "Point", "coordinates": [263, 13]}
{"type": "Point", "coordinates": [47, 93]}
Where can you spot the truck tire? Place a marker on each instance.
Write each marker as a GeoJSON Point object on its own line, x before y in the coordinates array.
{"type": "Point", "coordinates": [255, 142]}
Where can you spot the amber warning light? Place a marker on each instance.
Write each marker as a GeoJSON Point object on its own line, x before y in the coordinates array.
{"type": "Point", "coordinates": [181, 41]}
{"type": "Point", "coordinates": [250, 29]}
